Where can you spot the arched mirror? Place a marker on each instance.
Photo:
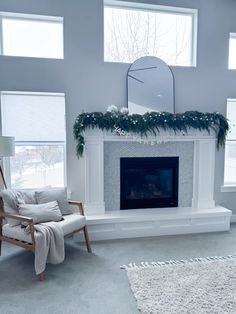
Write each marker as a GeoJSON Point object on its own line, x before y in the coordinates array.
{"type": "Point", "coordinates": [150, 86]}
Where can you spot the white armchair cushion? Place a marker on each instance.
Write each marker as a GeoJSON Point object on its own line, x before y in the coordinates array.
{"type": "Point", "coordinates": [70, 224]}
{"type": "Point", "coordinates": [12, 199]}
{"type": "Point", "coordinates": [41, 212]}
{"type": "Point", "coordinates": [50, 195]}
{"type": "Point", "coordinates": [16, 232]}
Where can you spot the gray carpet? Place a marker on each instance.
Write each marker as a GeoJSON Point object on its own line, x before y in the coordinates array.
{"type": "Point", "coordinates": [93, 283]}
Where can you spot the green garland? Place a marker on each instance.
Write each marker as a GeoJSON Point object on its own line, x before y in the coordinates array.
{"type": "Point", "coordinates": [150, 123]}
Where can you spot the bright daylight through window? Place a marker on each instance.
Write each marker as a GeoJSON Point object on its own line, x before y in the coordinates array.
{"type": "Point", "coordinates": [27, 35]}
{"type": "Point", "coordinates": [232, 51]}
{"type": "Point", "coordinates": [37, 121]}
{"type": "Point", "coordinates": [135, 30]}
{"type": "Point", "coordinates": [230, 148]}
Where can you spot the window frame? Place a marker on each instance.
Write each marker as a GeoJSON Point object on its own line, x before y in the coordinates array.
{"type": "Point", "coordinates": [30, 17]}
{"type": "Point", "coordinates": [6, 160]}
{"type": "Point", "coordinates": [162, 9]}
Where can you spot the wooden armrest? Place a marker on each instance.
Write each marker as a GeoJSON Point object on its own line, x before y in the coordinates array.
{"type": "Point", "coordinates": [79, 204]}
{"type": "Point", "coordinates": [74, 202]}
{"type": "Point", "coordinates": [30, 221]}
{"type": "Point", "coordinates": [18, 217]}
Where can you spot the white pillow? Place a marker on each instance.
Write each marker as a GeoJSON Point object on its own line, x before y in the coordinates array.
{"type": "Point", "coordinates": [59, 195]}
{"type": "Point", "coordinates": [41, 212]}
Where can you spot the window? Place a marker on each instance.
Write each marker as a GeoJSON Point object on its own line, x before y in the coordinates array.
{"type": "Point", "coordinates": [232, 51]}
{"type": "Point", "coordinates": [27, 35]}
{"type": "Point", "coordinates": [230, 148]}
{"type": "Point", "coordinates": [37, 121]}
{"type": "Point", "coordinates": [133, 30]}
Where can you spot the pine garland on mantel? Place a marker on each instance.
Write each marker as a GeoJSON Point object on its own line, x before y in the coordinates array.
{"type": "Point", "coordinates": [150, 123]}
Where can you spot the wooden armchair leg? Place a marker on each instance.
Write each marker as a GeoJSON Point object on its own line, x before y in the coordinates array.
{"type": "Point", "coordinates": [41, 277]}
{"type": "Point", "coordinates": [86, 237]}
{"type": "Point", "coordinates": [0, 247]}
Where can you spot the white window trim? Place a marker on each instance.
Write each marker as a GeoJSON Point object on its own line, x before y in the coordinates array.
{"type": "Point", "coordinates": [165, 9]}
{"type": "Point", "coordinates": [31, 93]}
{"type": "Point", "coordinates": [232, 35]}
{"type": "Point", "coordinates": [147, 6]}
{"type": "Point", "coordinates": [30, 17]}
{"type": "Point", "coordinates": [6, 160]}
{"type": "Point", "coordinates": [228, 188]}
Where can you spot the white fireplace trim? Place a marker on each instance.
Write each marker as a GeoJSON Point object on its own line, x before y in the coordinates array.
{"type": "Point", "coordinates": [203, 171]}
{"type": "Point", "coordinates": [203, 216]}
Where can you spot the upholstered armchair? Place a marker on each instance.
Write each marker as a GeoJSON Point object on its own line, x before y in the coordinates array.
{"type": "Point", "coordinates": [12, 232]}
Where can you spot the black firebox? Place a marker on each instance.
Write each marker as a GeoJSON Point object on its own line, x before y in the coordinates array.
{"type": "Point", "coordinates": [150, 182]}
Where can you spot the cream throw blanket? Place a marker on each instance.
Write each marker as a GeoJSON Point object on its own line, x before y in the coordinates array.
{"type": "Point", "coordinates": [49, 245]}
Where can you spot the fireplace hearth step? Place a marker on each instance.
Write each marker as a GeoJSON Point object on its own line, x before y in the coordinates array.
{"type": "Point", "coordinates": [157, 221]}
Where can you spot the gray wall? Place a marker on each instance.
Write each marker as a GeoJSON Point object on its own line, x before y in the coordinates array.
{"type": "Point", "coordinates": [90, 84]}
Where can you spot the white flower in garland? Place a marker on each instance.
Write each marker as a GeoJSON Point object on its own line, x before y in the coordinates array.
{"type": "Point", "coordinates": [124, 110]}
{"type": "Point", "coordinates": [112, 108]}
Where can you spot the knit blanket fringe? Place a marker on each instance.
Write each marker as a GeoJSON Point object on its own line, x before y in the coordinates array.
{"type": "Point", "coordinates": [175, 262]}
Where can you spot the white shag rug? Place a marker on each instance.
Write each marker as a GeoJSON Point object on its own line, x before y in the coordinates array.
{"type": "Point", "coordinates": [197, 286]}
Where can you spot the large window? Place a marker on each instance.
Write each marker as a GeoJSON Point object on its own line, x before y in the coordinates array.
{"type": "Point", "coordinates": [230, 149]}
{"type": "Point", "coordinates": [26, 35]}
{"type": "Point", "coordinates": [37, 121]}
{"type": "Point", "coordinates": [133, 30]}
{"type": "Point", "coordinates": [232, 51]}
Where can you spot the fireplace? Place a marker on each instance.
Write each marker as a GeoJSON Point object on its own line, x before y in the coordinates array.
{"type": "Point", "coordinates": [150, 182]}
{"type": "Point", "coordinates": [196, 211]}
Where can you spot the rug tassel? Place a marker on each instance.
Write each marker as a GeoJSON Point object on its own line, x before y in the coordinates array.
{"type": "Point", "coordinates": [171, 262]}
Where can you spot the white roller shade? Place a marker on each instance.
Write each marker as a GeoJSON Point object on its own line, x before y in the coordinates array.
{"type": "Point", "coordinates": [32, 36]}
{"type": "Point", "coordinates": [33, 117]}
{"type": "Point", "coordinates": [232, 51]}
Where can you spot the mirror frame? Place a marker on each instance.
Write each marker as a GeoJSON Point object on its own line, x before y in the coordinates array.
{"type": "Point", "coordinates": [172, 74]}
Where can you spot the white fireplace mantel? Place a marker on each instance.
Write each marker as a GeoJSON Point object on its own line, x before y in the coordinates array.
{"type": "Point", "coordinates": [203, 171]}
{"type": "Point", "coordinates": [203, 187]}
